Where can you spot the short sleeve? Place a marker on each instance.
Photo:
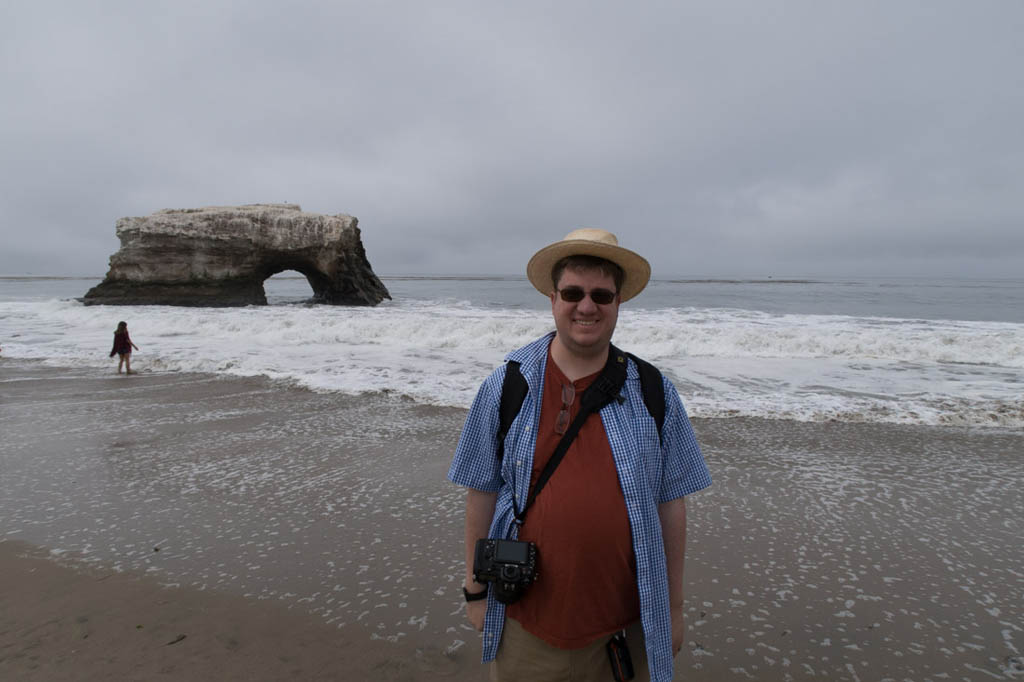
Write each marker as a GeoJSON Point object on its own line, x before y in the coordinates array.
{"type": "Point", "coordinates": [475, 464]}
{"type": "Point", "coordinates": [684, 470]}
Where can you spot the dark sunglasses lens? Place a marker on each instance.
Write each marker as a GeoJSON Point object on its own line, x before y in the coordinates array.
{"type": "Point", "coordinates": [602, 296]}
{"type": "Point", "coordinates": [562, 422]}
{"type": "Point", "coordinates": [572, 294]}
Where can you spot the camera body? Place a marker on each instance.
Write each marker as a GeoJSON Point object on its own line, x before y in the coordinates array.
{"type": "Point", "coordinates": [510, 564]}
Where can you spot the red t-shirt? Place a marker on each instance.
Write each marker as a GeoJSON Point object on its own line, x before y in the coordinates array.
{"type": "Point", "coordinates": [586, 575]}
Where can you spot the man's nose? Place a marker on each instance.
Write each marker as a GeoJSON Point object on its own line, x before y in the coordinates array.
{"type": "Point", "coordinates": [586, 305]}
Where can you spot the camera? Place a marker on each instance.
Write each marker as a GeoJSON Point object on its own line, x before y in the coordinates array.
{"type": "Point", "coordinates": [510, 564]}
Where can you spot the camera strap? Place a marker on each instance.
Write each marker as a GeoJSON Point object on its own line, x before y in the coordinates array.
{"type": "Point", "coordinates": [605, 389]}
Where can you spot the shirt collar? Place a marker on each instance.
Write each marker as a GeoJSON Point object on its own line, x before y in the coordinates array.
{"type": "Point", "coordinates": [533, 356]}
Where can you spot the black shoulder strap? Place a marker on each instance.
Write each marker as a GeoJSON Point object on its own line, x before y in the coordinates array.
{"type": "Point", "coordinates": [513, 393]}
{"type": "Point", "coordinates": [653, 390]}
{"type": "Point", "coordinates": [605, 389]}
{"type": "Point", "coordinates": [514, 389]}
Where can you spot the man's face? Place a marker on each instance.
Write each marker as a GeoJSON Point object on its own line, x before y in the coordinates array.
{"type": "Point", "coordinates": [585, 328]}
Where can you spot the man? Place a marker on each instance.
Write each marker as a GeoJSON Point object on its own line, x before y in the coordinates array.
{"type": "Point", "coordinates": [610, 523]}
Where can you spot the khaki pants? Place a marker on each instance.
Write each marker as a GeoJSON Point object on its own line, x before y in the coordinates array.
{"type": "Point", "coordinates": [522, 656]}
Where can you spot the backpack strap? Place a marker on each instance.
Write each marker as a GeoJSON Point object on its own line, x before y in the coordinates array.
{"type": "Point", "coordinates": [513, 393]}
{"type": "Point", "coordinates": [653, 390]}
{"type": "Point", "coordinates": [514, 389]}
{"type": "Point", "coordinates": [604, 390]}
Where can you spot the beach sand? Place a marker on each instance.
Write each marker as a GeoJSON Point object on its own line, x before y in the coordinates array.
{"type": "Point", "coordinates": [294, 535]}
{"type": "Point", "coordinates": [58, 623]}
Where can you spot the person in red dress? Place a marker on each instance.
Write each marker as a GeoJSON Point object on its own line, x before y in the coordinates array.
{"type": "Point", "coordinates": [123, 347]}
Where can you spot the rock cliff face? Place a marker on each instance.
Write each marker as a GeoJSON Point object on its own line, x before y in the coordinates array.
{"type": "Point", "coordinates": [220, 256]}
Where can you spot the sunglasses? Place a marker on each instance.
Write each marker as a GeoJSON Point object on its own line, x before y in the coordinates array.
{"type": "Point", "coordinates": [576, 294]}
{"type": "Point", "coordinates": [568, 395]}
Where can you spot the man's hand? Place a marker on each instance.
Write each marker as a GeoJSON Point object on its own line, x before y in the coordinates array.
{"type": "Point", "coordinates": [475, 611]}
{"type": "Point", "coordinates": [678, 629]}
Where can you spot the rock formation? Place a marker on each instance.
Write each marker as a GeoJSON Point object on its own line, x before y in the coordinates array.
{"type": "Point", "coordinates": [220, 256]}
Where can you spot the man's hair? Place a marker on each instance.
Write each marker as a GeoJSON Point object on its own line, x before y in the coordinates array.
{"type": "Point", "coordinates": [606, 267]}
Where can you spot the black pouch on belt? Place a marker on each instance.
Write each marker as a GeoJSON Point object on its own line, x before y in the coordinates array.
{"type": "Point", "coordinates": [618, 656]}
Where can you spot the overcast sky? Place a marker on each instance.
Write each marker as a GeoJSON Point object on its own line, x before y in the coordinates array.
{"type": "Point", "coordinates": [717, 138]}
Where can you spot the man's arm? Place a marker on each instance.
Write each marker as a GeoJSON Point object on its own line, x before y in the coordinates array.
{"type": "Point", "coordinates": [672, 515]}
{"type": "Point", "coordinates": [479, 512]}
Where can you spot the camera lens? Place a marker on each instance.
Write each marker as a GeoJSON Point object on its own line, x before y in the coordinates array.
{"type": "Point", "coordinates": [509, 572]}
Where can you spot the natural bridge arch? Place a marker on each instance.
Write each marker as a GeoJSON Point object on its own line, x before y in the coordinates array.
{"type": "Point", "coordinates": [318, 282]}
{"type": "Point", "coordinates": [220, 256]}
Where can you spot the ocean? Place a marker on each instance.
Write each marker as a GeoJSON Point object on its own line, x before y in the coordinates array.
{"type": "Point", "coordinates": [903, 351]}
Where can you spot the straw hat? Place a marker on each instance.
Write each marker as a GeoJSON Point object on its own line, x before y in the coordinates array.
{"type": "Point", "coordinates": [589, 242]}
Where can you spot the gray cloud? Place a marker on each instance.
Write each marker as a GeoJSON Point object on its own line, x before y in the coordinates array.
{"type": "Point", "coordinates": [799, 138]}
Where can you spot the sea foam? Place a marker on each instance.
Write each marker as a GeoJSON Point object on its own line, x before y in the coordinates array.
{"type": "Point", "coordinates": [725, 362]}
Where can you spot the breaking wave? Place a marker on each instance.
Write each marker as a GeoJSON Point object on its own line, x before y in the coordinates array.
{"type": "Point", "coordinates": [725, 362]}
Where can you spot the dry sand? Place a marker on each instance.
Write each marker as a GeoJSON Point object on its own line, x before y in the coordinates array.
{"type": "Point", "coordinates": [309, 536]}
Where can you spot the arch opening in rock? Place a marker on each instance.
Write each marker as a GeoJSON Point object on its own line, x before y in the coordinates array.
{"type": "Point", "coordinates": [289, 286]}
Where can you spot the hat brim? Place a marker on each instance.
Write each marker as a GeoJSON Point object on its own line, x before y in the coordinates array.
{"type": "Point", "coordinates": [636, 268]}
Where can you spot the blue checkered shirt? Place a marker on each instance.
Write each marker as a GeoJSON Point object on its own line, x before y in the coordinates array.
{"type": "Point", "coordinates": [650, 473]}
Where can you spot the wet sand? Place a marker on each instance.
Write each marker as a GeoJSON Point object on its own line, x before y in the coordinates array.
{"type": "Point", "coordinates": [295, 535]}
{"type": "Point", "coordinates": [86, 623]}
